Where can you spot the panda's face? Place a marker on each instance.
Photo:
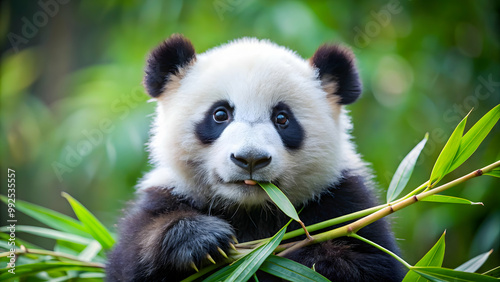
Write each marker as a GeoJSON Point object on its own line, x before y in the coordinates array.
{"type": "Point", "coordinates": [249, 111]}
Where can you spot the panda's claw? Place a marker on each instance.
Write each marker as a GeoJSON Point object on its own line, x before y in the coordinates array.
{"type": "Point", "coordinates": [234, 239]}
{"type": "Point", "coordinates": [193, 266]}
{"type": "Point", "coordinates": [232, 247]}
{"type": "Point", "coordinates": [209, 257]}
{"type": "Point", "coordinates": [222, 252]}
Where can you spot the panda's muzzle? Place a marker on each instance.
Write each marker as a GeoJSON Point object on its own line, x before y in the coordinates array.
{"type": "Point", "coordinates": [251, 161]}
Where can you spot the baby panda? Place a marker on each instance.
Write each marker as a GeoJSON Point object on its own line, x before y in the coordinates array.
{"type": "Point", "coordinates": [243, 112]}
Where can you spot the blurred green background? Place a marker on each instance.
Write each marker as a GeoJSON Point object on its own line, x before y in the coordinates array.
{"type": "Point", "coordinates": [75, 118]}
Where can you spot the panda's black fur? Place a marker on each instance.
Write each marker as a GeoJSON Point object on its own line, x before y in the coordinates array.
{"type": "Point", "coordinates": [166, 229]}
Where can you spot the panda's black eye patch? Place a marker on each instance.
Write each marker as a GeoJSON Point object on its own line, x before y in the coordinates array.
{"type": "Point", "coordinates": [287, 126]}
{"type": "Point", "coordinates": [216, 119]}
{"type": "Point", "coordinates": [221, 115]}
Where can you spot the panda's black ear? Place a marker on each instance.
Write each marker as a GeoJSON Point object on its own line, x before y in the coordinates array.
{"type": "Point", "coordinates": [166, 60]}
{"type": "Point", "coordinates": [336, 65]}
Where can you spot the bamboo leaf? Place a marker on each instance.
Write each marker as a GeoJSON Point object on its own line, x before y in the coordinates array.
{"type": "Point", "coordinates": [446, 274]}
{"type": "Point", "coordinates": [245, 267]}
{"type": "Point", "coordinates": [495, 172]}
{"type": "Point", "coordinates": [52, 234]}
{"type": "Point", "coordinates": [50, 218]}
{"type": "Point", "coordinates": [434, 257]}
{"type": "Point", "coordinates": [253, 261]}
{"type": "Point", "coordinates": [475, 263]}
{"type": "Point", "coordinates": [404, 171]}
{"type": "Point", "coordinates": [447, 155]}
{"type": "Point", "coordinates": [473, 138]}
{"type": "Point", "coordinates": [280, 200]}
{"type": "Point", "coordinates": [290, 270]}
{"type": "Point", "coordinates": [4, 242]}
{"type": "Point", "coordinates": [91, 251]}
{"type": "Point", "coordinates": [204, 271]}
{"type": "Point", "coordinates": [34, 268]}
{"type": "Point", "coordinates": [93, 225]}
{"type": "Point", "coordinates": [449, 200]}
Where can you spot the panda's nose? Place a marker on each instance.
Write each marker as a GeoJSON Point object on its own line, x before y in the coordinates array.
{"type": "Point", "coordinates": [251, 161]}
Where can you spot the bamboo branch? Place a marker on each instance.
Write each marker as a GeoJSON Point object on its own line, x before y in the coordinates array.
{"type": "Point", "coordinates": [352, 228]}
{"type": "Point", "coordinates": [354, 235]}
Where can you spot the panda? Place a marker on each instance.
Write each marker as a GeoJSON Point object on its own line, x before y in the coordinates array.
{"type": "Point", "coordinates": [248, 111]}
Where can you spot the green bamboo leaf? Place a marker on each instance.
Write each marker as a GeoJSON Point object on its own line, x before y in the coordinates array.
{"type": "Point", "coordinates": [404, 171]}
{"type": "Point", "coordinates": [290, 270]}
{"type": "Point", "coordinates": [495, 272]}
{"type": "Point", "coordinates": [245, 267]}
{"type": "Point", "coordinates": [495, 172]}
{"type": "Point", "coordinates": [434, 257]}
{"type": "Point", "coordinates": [34, 268]}
{"type": "Point", "coordinates": [90, 275]}
{"type": "Point", "coordinates": [91, 251]}
{"type": "Point", "coordinates": [447, 155]}
{"type": "Point", "coordinates": [473, 138]}
{"type": "Point", "coordinates": [449, 200]}
{"type": "Point", "coordinates": [475, 263]}
{"type": "Point", "coordinates": [4, 242]}
{"type": "Point", "coordinates": [93, 225]}
{"type": "Point", "coordinates": [253, 261]}
{"type": "Point", "coordinates": [280, 200]}
{"type": "Point", "coordinates": [204, 271]}
{"type": "Point", "coordinates": [445, 274]}
{"type": "Point", "coordinates": [52, 234]}
{"type": "Point", "coordinates": [50, 218]}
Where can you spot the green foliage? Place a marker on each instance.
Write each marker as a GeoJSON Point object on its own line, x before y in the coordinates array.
{"type": "Point", "coordinates": [290, 270]}
{"type": "Point", "coordinates": [494, 173]}
{"type": "Point", "coordinates": [447, 155]}
{"type": "Point", "coordinates": [245, 267]}
{"type": "Point", "coordinates": [448, 199]}
{"type": "Point", "coordinates": [474, 137]}
{"type": "Point", "coordinates": [438, 274]}
{"type": "Point", "coordinates": [53, 234]}
{"type": "Point", "coordinates": [434, 257]}
{"type": "Point", "coordinates": [460, 147]}
{"type": "Point", "coordinates": [404, 171]}
{"type": "Point", "coordinates": [92, 224]}
{"type": "Point", "coordinates": [75, 256]}
{"type": "Point", "coordinates": [281, 201]}
{"type": "Point", "coordinates": [49, 217]}
{"type": "Point", "coordinates": [475, 263]}
{"type": "Point", "coordinates": [48, 266]}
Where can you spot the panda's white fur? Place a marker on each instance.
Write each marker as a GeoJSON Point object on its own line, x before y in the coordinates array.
{"type": "Point", "coordinates": [253, 75]}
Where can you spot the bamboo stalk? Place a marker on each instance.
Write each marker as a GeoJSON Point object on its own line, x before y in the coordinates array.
{"type": "Point", "coordinates": [352, 228]}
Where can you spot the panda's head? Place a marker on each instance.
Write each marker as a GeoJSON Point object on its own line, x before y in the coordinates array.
{"type": "Point", "coordinates": [249, 110]}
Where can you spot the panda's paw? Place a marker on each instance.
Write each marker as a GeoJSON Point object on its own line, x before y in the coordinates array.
{"type": "Point", "coordinates": [196, 241]}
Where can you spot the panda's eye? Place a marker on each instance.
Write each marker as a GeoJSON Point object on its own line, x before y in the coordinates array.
{"type": "Point", "coordinates": [281, 119]}
{"type": "Point", "coordinates": [221, 115]}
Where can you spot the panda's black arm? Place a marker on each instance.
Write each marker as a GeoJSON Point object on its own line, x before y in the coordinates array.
{"type": "Point", "coordinates": [161, 236]}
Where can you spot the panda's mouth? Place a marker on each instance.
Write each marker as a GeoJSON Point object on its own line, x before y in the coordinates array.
{"type": "Point", "coordinates": [249, 182]}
